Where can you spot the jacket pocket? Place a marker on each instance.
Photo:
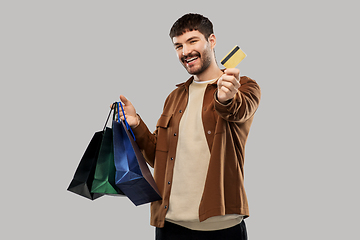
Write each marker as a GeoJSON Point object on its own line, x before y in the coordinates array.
{"type": "Point", "coordinates": [162, 127]}
{"type": "Point", "coordinates": [163, 121]}
{"type": "Point", "coordinates": [217, 123]}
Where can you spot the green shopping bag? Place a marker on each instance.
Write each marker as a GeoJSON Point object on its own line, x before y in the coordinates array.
{"type": "Point", "coordinates": [104, 177]}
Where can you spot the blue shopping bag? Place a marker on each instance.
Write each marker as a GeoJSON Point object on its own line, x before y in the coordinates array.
{"type": "Point", "coordinates": [132, 175]}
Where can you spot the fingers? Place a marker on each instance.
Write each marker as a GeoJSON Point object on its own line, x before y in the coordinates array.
{"type": "Point", "coordinates": [227, 88]}
{"type": "Point", "coordinates": [232, 75]}
{"type": "Point", "coordinates": [123, 99]}
{"type": "Point", "coordinates": [129, 111]}
{"type": "Point", "coordinates": [229, 81]}
{"type": "Point", "coordinates": [233, 71]}
{"type": "Point", "coordinates": [228, 84]}
{"type": "Point", "coordinates": [122, 115]}
{"type": "Point", "coordinates": [113, 105]}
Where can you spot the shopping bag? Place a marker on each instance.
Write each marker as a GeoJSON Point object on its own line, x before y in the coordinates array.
{"type": "Point", "coordinates": [104, 177]}
{"type": "Point", "coordinates": [84, 175]}
{"type": "Point", "coordinates": [132, 176]}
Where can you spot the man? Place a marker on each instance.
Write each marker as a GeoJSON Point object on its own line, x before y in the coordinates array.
{"type": "Point", "coordinates": [197, 149]}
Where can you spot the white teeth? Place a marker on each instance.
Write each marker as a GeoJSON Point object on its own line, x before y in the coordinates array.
{"type": "Point", "coordinates": [191, 59]}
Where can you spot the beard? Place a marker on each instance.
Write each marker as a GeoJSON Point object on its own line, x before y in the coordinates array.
{"type": "Point", "coordinates": [205, 61]}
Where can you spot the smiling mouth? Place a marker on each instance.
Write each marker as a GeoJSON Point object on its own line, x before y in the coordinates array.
{"type": "Point", "coordinates": [189, 60]}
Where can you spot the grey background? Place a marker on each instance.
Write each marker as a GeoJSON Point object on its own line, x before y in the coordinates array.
{"type": "Point", "coordinates": [63, 62]}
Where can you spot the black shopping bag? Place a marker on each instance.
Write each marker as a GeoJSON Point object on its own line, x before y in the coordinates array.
{"type": "Point", "coordinates": [84, 174]}
{"type": "Point", "coordinates": [133, 176]}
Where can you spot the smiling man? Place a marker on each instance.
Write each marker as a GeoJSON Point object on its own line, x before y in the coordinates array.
{"type": "Point", "coordinates": [188, 47]}
{"type": "Point", "coordinates": [197, 149]}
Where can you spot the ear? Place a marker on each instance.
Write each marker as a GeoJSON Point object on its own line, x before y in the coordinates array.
{"type": "Point", "coordinates": [212, 41]}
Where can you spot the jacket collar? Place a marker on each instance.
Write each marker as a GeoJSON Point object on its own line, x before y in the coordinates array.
{"type": "Point", "coordinates": [191, 79]}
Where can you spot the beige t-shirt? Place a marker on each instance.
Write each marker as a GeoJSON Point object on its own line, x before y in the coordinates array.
{"type": "Point", "coordinates": [191, 166]}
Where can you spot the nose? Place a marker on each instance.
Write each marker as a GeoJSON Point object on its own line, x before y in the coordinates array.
{"type": "Point", "coordinates": [186, 50]}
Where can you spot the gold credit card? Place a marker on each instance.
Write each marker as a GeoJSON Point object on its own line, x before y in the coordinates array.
{"type": "Point", "coordinates": [233, 58]}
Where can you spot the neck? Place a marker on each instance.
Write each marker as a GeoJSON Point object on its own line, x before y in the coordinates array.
{"type": "Point", "coordinates": [212, 72]}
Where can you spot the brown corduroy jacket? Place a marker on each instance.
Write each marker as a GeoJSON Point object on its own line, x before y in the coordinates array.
{"type": "Point", "coordinates": [226, 128]}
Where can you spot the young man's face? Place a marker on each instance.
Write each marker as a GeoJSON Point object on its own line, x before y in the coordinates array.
{"type": "Point", "coordinates": [194, 51]}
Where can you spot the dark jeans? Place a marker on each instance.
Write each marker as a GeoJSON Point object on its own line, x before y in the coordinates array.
{"type": "Point", "coordinates": [173, 231]}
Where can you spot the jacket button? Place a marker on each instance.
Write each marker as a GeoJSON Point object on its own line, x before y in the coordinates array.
{"type": "Point", "coordinates": [209, 132]}
{"type": "Point", "coordinates": [180, 111]}
{"type": "Point", "coordinates": [169, 182]}
{"type": "Point", "coordinates": [165, 207]}
{"type": "Point", "coordinates": [171, 159]}
{"type": "Point", "coordinates": [175, 134]}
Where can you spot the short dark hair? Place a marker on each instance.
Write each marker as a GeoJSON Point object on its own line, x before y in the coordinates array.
{"type": "Point", "coordinates": [191, 22]}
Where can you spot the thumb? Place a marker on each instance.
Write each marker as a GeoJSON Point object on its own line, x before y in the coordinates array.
{"type": "Point", "coordinates": [125, 100]}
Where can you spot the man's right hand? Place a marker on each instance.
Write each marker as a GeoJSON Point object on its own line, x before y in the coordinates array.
{"type": "Point", "coordinates": [130, 113]}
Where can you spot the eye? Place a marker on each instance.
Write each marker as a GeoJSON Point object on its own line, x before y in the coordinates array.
{"type": "Point", "coordinates": [178, 47]}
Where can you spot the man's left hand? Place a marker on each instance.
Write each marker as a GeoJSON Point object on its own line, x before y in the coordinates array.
{"type": "Point", "coordinates": [228, 85]}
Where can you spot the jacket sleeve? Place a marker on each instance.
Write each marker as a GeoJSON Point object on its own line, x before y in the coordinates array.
{"type": "Point", "coordinates": [243, 105]}
{"type": "Point", "coordinates": [146, 142]}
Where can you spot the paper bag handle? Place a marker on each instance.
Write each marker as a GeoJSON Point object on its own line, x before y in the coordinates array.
{"type": "Point", "coordinates": [126, 123]}
{"type": "Point", "coordinates": [107, 120]}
